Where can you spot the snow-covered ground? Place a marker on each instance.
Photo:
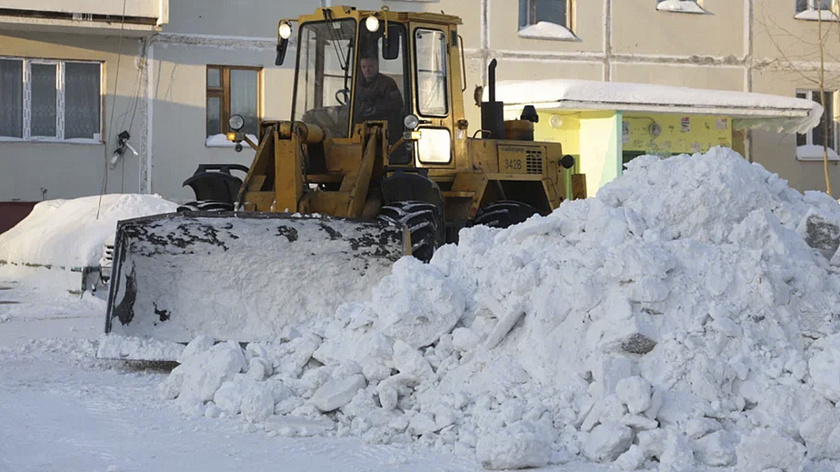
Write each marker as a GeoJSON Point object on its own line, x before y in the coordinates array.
{"type": "Point", "coordinates": [685, 319]}
{"type": "Point", "coordinates": [62, 410]}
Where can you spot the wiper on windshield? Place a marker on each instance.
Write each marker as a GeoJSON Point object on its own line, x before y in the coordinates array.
{"type": "Point", "coordinates": [335, 38]}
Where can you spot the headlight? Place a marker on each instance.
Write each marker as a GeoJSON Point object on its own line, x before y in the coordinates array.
{"type": "Point", "coordinates": [284, 30]}
{"type": "Point", "coordinates": [372, 24]}
{"type": "Point", "coordinates": [411, 122]}
{"type": "Point", "coordinates": [236, 122]}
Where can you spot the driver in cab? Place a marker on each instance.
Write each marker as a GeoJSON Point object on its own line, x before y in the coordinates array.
{"type": "Point", "coordinates": [377, 95]}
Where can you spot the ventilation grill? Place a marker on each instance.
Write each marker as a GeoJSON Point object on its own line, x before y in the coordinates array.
{"type": "Point", "coordinates": [534, 161]}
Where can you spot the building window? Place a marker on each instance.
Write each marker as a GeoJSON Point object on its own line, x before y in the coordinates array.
{"type": "Point", "coordinates": [681, 6]}
{"type": "Point", "coordinates": [817, 9]}
{"type": "Point", "coordinates": [50, 100]}
{"type": "Point", "coordinates": [805, 5]}
{"type": "Point", "coordinates": [809, 145]}
{"type": "Point", "coordinates": [232, 91]}
{"type": "Point", "coordinates": [546, 19]}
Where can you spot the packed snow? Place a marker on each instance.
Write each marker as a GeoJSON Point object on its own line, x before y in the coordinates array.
{"type": "Point", "coordinates": [685, 318]}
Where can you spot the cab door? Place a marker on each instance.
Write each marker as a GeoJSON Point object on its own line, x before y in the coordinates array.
{"type": "Point", "coordinates": [433, 100]}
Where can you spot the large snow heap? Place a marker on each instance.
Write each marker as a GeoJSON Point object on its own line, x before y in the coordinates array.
{"type": "Point", "coordinates": [71, 233]}
{"type": "Point", "coordinates": [685, 318]}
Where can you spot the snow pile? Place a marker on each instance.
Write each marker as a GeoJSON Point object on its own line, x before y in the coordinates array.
{"type": "Point", "coordinates": [684, 319]}
{"type": "Point", "coordinates": [547, 30]}
{"type": "Point", "coordinates": [685, 6]}
{"type": "Point", "coordinates": [71, 233]}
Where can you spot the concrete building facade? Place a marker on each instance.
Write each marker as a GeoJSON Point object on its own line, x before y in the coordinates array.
{"type": "Point", "coordinates": [75, 74]}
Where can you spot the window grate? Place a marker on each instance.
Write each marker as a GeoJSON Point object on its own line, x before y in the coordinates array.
{"type": "Point", "coordinates": [534, 162]}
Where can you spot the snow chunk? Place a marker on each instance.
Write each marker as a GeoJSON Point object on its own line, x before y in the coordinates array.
{"type": "Point", "coordinates": [767, 449]}
{"type": "Point", "coordinates": [821, 433]}
{"type": "Point", "coordinates": [820, 233]}
{"type": "Point", "coordinates": [337, 392]}
{"type": "Point", "coordinates": [716, 449]}
{"type": "Point", "coordinates": [514, 447]}
{"type": "Point", "coordinates": [635, 392]}
{"type": "Point", "coordinates": [824, 367]}
{"type": "Point", "coordinates": [198, 345]}
{"type": "Point", "coordinates": [608, 441]}
{"type": "Point", "coordinates": [207, 371]}
{"type": "Point", "coordinates": [415, 303]}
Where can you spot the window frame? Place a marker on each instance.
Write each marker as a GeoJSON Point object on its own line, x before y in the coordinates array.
{"type": "Point", "coordinates": [834, 125]}
{"type": "Point", "coordinates": [532, 11]}
{"type": "Point", "coordinates": [61, 90]}
{"type": "Point", "coordinates": [416, 72]}
{"type": "Point", "coordinates": [223, 92]}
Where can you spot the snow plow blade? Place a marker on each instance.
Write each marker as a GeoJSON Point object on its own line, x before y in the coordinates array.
{"type": "Point", "coordinates": [245, 277]}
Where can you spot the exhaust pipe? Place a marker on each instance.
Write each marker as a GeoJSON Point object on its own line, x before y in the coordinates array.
{"type": "Point", "coordinates": [492, 112]}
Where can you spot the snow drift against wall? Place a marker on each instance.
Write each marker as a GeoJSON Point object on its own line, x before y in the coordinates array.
{"type": "Point", "coordinates": [71, 233]}
{"type": "Point", "coordinates": [686, 318]}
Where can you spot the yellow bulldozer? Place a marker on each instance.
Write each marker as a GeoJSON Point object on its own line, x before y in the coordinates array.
{"type": "Point", "coordinates": [377, 162]}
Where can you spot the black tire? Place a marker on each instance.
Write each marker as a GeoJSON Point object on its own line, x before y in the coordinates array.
{"type": "Point", "coordinates": [424, 222]}
{"type": "Point", "coordinates": [504, 213]}
{"type": "Point", "coordinates": [205, 205]}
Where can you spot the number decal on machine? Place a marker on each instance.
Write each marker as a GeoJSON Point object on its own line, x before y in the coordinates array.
{"type": "Point", "coordinates": [513, 164]}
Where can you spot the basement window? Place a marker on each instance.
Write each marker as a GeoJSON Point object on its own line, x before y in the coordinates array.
{"type": "Point", "coordinates": [680, 6]}
{"type": "Point", "coordinates": [809, 146]}
{"type": "Point", "coordinates": [50, 100]}
{"type": "Point", "coordinates": [231, 90]}
{"type": "Point", "coordinates": [817, 10]}
{"type": "Point", "coordinates": [546, 19]}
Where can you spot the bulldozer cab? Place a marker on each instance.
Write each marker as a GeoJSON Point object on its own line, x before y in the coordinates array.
{"type": "Point", "coordinates": [358, 66]}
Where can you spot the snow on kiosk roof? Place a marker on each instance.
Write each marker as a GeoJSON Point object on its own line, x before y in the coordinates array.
{"type": "Point", "coordinates": [749, 110]}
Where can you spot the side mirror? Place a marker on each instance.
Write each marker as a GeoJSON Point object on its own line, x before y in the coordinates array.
{"type": "Point", "coordinates": [282, 44]}
{"type": "Point", "coordinates": [391, 43]}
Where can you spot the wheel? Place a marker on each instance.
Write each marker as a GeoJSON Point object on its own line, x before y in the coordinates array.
{"type": "Point", "coordinates": [205, 205]}
{"type": "Point", "coordinates": [504, 213]}
{"type": "Point", "coordinates": [424, 222]}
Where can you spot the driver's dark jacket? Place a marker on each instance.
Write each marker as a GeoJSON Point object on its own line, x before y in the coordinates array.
{"type": "Point", "coordinates": [377, 99]}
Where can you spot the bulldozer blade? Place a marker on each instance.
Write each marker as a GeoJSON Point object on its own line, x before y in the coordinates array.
{"type": "Point", "coordinates": [245, 277]}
